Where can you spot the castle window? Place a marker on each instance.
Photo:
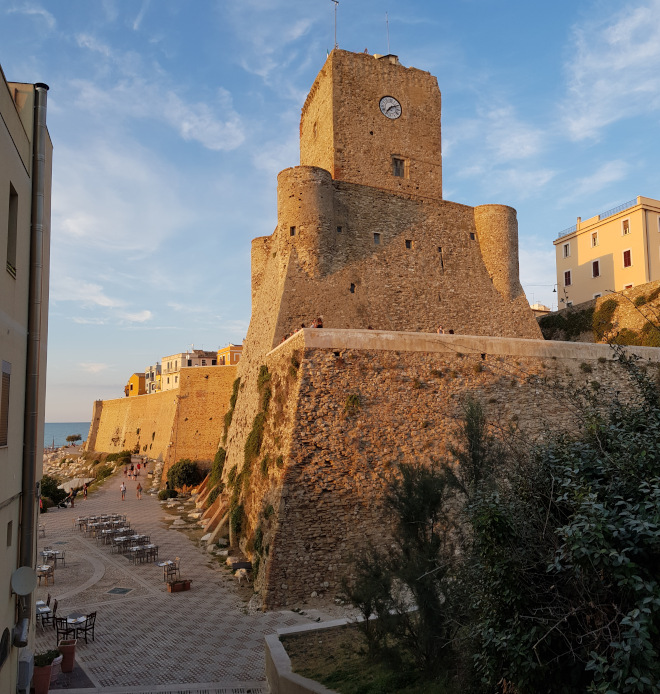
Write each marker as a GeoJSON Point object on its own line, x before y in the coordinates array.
{"type": "Point", "coordinates": [408, 243]}
{"type": "Point", "coordinates": [567, 278]}
{"type": "Point", "coordinates": [376, 238]}
{"type": "Point", "coordinates": [398, 167]}
{"type": "Point", "coordinates": [567, 250]}
{"type": "Point", "coordinates": [595, 268]}
{"type": "Point", "coordinates": [13, 231]}
{"type": "Point", "coordinates": [473, 236]}
{"type": "Point", "coordinates": [625, 227]}
{"type": "Point", "coordinates": [594, 239]}
{"type": "Point", "coordinates": [339, 230]}
{"type": "Point", "coordinates": [292, 231]}
{"type": "Point", "coordinates": [352, 288]}
{"type": "Point", "coordinates": [627, 258]}
{"type": "Point", "coordinates": [4, 403]}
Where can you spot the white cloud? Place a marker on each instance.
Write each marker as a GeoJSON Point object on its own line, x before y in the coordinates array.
{"type": "Point", "coordinates": [139, 317]}
{"type": "Point", "coordinates": [140, 16]}
{"type": "Point", "coordinates": [34, 10]}
{"type": "Point", "coordinates": [214, 123]}
{"type": "Point", "coordinates": [116, 198]}
{"type": "Point", "coordinates": [614, 69]}
{"type": "Point", "coordinates": [605, 175]}
{"type": "Point", "coordinates": [66, 288]}
{"type": "Point", "coordinates": [93, 367]}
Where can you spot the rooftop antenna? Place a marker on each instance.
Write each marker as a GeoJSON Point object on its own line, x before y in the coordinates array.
{"type": "Point", "coordinates": [387, 24]}
{"type": "Point", "coordinates": [336, 3]}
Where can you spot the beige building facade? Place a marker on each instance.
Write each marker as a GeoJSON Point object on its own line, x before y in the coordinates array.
{"type": "Point", "coordinates": [25, 184]}
{"type": "Point", "coordinates": [615, 250]}
{"type": "Point", "coordinates": [171, 366]}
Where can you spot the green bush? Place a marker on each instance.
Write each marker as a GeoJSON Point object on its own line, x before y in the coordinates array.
{"type": "Point", "coordinates": [45, 657]}
{"type": "Point", "coordinates": [229, 415]}
{"type": "Point", "coordinates": [213, 495]}
{"type": "Point", "coordinates": [164, 494]}
{"type": "Point", "coordinates": [602, 318]}
{"type": "Point", "coordinates": [102, 471]}
{"type": "Point", "coordinates": [236, 519]}
{"type": "Point", "coordinates": [218, 465]}
{"type": "Point", "coordinates": [184, 473]}
{"type": "Point", "coordinates": [640, 300]}
{"type": "Point", "coordinates": [50, 490]}
{"type": "Point", "coordinates": [255, 438]}
{"type": "Point", "coordinates": [124, 457]}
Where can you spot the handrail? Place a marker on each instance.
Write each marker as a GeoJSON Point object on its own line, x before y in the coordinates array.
{"type": "Point", "coordinates": [601, 216]}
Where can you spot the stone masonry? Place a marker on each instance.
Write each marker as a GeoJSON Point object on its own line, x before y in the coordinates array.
{"type": "Point", "coordinates": [360, 403]}
{"type": "Point", "coordinates": [182, 423]}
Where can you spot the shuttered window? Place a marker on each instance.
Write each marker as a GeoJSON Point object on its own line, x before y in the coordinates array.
{"type": "Point", "coordinates": [4, 403]}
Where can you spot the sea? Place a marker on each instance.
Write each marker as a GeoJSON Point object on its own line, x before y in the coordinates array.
{"type": "Point", "coordinates": [58, 431]}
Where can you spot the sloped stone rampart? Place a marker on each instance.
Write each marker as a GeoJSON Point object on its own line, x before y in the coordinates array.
{"type": "Point", "coordinates": [182, 423]}
{"type": "Point", "coordinates": [362, 402]}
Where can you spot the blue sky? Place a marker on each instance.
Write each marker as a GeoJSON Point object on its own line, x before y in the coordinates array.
{"type": "Point", "coordinates": [171, 120]}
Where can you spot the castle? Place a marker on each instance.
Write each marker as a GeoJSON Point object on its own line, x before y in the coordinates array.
{"type": "Point", "coordinates": [321, 417]}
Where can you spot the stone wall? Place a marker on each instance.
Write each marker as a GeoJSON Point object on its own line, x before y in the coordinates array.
{"type": "Point", "coordinates": [637, 310]}
{"type": "Point", "coordinates": [182, 423]}
{"type": "Point", "coordinates": [362, 402]}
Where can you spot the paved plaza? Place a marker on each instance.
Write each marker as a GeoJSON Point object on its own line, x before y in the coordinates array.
{"type": "Point", "coordinates": [149, 640]}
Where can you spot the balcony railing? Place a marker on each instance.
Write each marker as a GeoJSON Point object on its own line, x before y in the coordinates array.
{"type": "Point", "coordinates": [601, 216]}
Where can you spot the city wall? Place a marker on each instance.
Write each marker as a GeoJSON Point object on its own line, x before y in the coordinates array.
{"type": "Point", "coordinates": [361, 402]}
{"type": "Point", "coordinates": [182, 423]}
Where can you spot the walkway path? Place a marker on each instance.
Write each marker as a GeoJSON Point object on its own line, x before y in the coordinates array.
{"type": "Point", "coordinates": [148, 640]}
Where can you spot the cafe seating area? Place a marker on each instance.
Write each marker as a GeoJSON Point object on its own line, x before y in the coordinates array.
{"type": "Point", "coordinates": [114, 530]}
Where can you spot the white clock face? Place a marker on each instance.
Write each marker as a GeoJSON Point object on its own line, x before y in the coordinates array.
{"type": "Point", "coordinates": [390, 107]}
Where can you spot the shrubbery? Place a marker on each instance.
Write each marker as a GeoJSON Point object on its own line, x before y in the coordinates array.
{"type": "Point", "coordinates": [50, 490]}
{"type": "Point", "coordinates": [185, 473]}
{"type": "Point", "coordinates": [532, 569]}
{"type": "Point", "coordinates": [164, 494]}
{"type": "Point", "coordinates": [102, 471]}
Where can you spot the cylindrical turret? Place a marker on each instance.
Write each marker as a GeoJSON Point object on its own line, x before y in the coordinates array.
{"type": "Point", "coordinates": [305, 216]}
{"type": "Point", "coordinates": [497, 232]}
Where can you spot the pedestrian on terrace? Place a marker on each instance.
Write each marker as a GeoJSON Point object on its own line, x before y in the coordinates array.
{"type": "Point", "coordinates": [122, 488]}
{"type": "Point", "coordinates": [139, 491]}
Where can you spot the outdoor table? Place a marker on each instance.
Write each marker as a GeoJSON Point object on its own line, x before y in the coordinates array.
{"type": "Point", "coordinates": [45, 571]}
{"type": "Point", "coordinates": [51, 553]}
{"type": "Point", "coordinates": [152, 551]}
{"type": "Point", "coordinates": [42, 611]}
{"type": "Point", "coordinates": [76, 618]}
{"type": "Point", "coordinates": [165, 564]}
{"type": "Point", "coordinates": [121, 543]}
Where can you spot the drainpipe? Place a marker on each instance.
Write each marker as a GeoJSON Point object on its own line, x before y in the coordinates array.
{"type": "Point", "coordinates": [29, 495]}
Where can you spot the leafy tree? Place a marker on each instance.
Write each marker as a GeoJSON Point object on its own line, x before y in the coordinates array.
{"type": "Point", "coordinates": [49, 489]}
{"type": "Point", "coordinates": [184, 473]}
{"type": "Point", "coordinates": [73, 438]}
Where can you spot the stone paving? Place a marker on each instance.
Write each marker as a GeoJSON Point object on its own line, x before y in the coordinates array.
{"type": "Point", "coordinates": [149, 640]}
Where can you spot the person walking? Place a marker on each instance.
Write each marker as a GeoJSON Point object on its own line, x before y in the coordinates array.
{"type": "Point", "coordinates": [122, 487]}
{"type": "Point", "coordinates": [139, 491]}
{"type": "Point", "coordinates": [137, 467]}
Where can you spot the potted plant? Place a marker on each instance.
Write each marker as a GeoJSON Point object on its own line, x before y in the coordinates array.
{"type": "Point", "coordinates": [179, 584]}
{"type": "Point", "coordinates": [68, 650]}
{"type": "Point", "coordinates": [43, 668]}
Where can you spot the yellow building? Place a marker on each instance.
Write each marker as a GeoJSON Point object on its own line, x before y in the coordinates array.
{"type": "Point", "coordinates": [135, 385]}
{"type": "Point", "coordinates": [618, 249]}
{"type": "Point", "coordinates": [25, 184]}
{"type": "Point", "coordinates": [229, 355]}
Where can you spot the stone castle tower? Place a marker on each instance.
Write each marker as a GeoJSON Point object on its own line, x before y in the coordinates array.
{"type": "Point", "coordinates": [365, 240]}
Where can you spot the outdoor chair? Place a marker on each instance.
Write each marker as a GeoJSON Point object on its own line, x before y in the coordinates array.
{"type": "Point", "coordinates": [87, 627]}
{"type": "Point", "coordinates": [48, 600]}
{"type": "Point", "coordinates": [62, 558]}
{"type": "Point", "coordinates": [172, 570]}
{"type": "Point", "coordinates": [64, 629]}
{"type": "Point", "coordinates": [140, 553]}
{"type": "Point", "coordinates": [49, 618]}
